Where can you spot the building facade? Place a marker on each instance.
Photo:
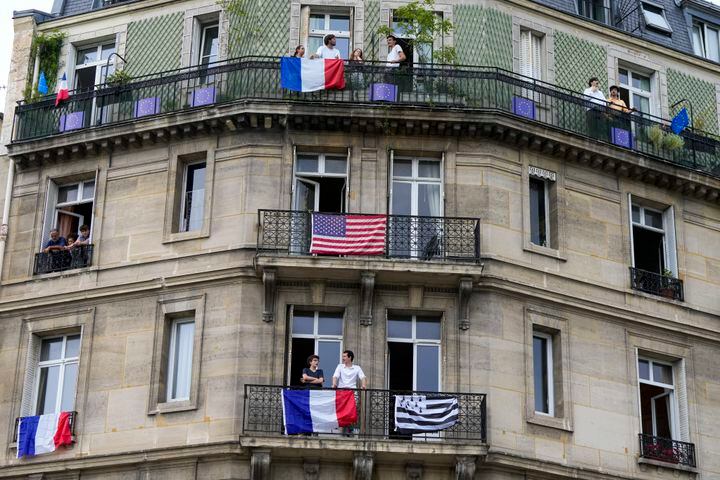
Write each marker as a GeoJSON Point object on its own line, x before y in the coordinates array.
{"type": "Point", "coordinates": [549, 263]}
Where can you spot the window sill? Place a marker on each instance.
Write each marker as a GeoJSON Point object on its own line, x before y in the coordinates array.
{"type": "Point", "coordinates": [546, 251]}
{"type": "Point", "coordinates": [671, 466]}
{"type": "Point", "coordinates": [184, 236]}
{"type": "Point", "coordinates": [559, 423]}
{"type": "Point", "coordinates": [172, 407]}
{"type": "Point", "coordinates": [64, 273]}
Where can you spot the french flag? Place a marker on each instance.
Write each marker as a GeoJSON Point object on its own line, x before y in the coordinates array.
{"type": "Point", "coordinates": [306, 75]}
{"type": "Point", "coordinates": [63, 92]}
{"type": "Point", "coordinates": [318, 411]}
{"type": "Point", "coordinates": [43, 433]}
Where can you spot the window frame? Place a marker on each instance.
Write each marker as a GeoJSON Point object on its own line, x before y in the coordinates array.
{"type": "Point", "coordinates": [182, 227]}
{"type": "Point", "coordinates": [701, 48]}
{"type": "Point", "coordinates": [418, 342]}
{"type": "Point", "coordinates": [549, 374]}
{"type": "Point", "coordinates": [632, 91]}
{"type": "Point", "coordinates": [649, 23]}
{"type": "Point", "coordinates": [315, 336]}
{"type": "Point", "coordinates": [589, 13]}
{"type": "Point", "coordinates": [100, 62]}
{"type": "Point", "coordinates": [321, 33]}
{"type": "Point", "coordinates": [53, 207]}
{"type": "Point", "coordinates": [669, 241]}
{"type": "Point", "coordinates": [61, 362]}
{"type": "Point", "coordinates": [674, 406]}
{"type": "Point", "coordinates": [204, 27]}
{"type": "Point", "coordinates": [415, 181]}
{"type": "Point", "coordinates": [172, 381]}
{"type": "Point", "coordinates": [546, 212]}
{"type": "Point", "coordinates": [536, 51]}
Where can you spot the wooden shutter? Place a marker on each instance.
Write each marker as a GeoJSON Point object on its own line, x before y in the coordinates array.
{"type": "Point", "coordinates": [31, 363]}
{"type": "Point", "coordinates": [51, 195]}
{"type": "Point", "coordinates": [525, 53]}
{"type": "Point", "coordinates": [632, 241]}
{"type": "Point", "coordinates": [670, 243]}
{"type": "Point", "coordinates": [391, 161]}
{"type": "Point", "coordinates": [682, 401]}
{"type": "Point", "coordinates": [536, 48]}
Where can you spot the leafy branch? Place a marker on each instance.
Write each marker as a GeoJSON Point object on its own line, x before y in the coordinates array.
{"type": "Point", "coordinates": [47, 46]}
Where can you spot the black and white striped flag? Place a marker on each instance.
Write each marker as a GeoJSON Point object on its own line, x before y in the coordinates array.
{"type": "Point", "coordinates": [422, 414]}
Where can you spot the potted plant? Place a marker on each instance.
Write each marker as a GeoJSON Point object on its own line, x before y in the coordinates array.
{"type": "Point", "coordinates": [666, 288]}
{"type": "Point", "coordinates": [672, 142]}
{"type": "Point", "coordinates": [117, 78]}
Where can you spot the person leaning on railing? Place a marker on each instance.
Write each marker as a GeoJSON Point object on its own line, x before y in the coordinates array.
{"type": "Point", "coordinates": [619, 109]}
{"type": "Point", "coordinates": [55, 242]}
{"type": "Point", "coordinates": [596, 121]}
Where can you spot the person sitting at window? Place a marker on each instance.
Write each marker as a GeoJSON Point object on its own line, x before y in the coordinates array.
{"type": "Point", "coordinates": [55, 242]}
{"type": "Point", "coordinates": [84, 237]}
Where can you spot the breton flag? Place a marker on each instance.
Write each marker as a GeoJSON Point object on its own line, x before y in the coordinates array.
{"type": "Point", "coordinates": [336, 234]}
{"type": "Point", "coordinates": [423, 414]}
{"type": "Point", "coordinates": [43, 434]}
{"type": "Point", "coordinates": [306, 75]}
{"type": "Point", "coordinates": [318, 411]}
{"type": "Point", "coordinates": [63, 92]}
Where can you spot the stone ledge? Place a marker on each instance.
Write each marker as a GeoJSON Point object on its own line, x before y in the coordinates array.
{"type": "Point", "coordinates": [671, 466]}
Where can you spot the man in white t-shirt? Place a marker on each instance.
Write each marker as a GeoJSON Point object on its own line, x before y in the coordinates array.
{"type": "Point", "coordinates": [328, 50]}
{"type": "Point", "coordinates": [347, 375]}
{"type": "Point", "coordinates": [596, 110]}
{"type": "Point", "coordinates": [395, 52]}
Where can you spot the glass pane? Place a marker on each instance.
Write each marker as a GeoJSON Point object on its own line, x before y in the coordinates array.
{"type": "Point", "coordinates": [427, 328]}
{"type": "Point", "coordinates": [67, 403]}
{"type": "Point", "coordinates": [329, 353]}
{"type": "Point", "coordinates": [641, 82]}
{"type": "Point", "coordinates": [87, 55]}
{"type": "Point", "coordinates": [210, 46]}
{"type": "Point", "coordinates": [712, 44]}
{"type": "Point", "coordinates": [399, 327]}
{"type": "Point", "coordinates": [698, 47]}
{"type": "Point", "coordinates": [429, 199]}
{"type": "Point", "coordinates": [641, 103]}
{"type": "Point", "coordinates": [653, 219]}
{"type": "Point", "coordinates": [428, 368]}
{"type": "Point", "coordinates": [107, 50]}
{"type": "Point", "coordinates": [623, 76]}
{"type": "Point", "coordinates": [538, 230]}
{"type": "Point", "coordinates": [424, 52]}
{"type": "Point", "coordinates": [401, 198]}
{"type": "Point", "coordinates": [68, 194]}
{"type": "Point", "coordinates": [330, 324]}
{"type": "Point", "coordinates": [335, 165]}
{"type": "Point", "coordinates": [540, 366]}
{"type": "Point", "coordinates": [317, 22]}
{"type": "Point", "coordinates": [314, 43]}
{"type": "Point", "coordinates": [303, 323]}
{"type": "Point", "coordinates": [72, 347]}
{"type": "Point", "coordinates": [88, 190]}
{"type": "Point", "coordinates": [644, 369]}
{"type": "Point", "coordinates": [182, 367]}
{"type": "Point", "coordinates": [402, 168]}
{"type": "Point", "coordinates": [662, 374]}
{"type": "Point", "coordinates": [654, 16]}
{"type": "Point", "coordinates": [636, 214]}
{"type": "Point", "coordinates": [339, 23]}
{"type": "Point", "coordinates": [51, 349]}
{"type": "Point", "coordinates": [429, 169]}
{"type": "Point", "coordinates": [343, 44]}
{"type": "Point", "coordinates": [307, 163]}
{"type": "Point", "coordinates": [48, 389]}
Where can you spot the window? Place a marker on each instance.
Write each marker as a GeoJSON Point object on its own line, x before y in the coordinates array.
{"type": "Point", "coordinates": [598, 10]}
{"type": "Point", "coordinates": [321, 182]}
{"type": "Point", "coordinates": [57, 374]}
{"type": "Point", "coordinates": [322, 24]}
{"type": "Point", "coordinates": [209, 44]}
{"type": "Point", "coordinates": [415, 52]}
{"type": "Point", "coordinates": [636, 89]}
{"type": "Point", "coordinates": [413, 343]}
{"type": "Point", "coordinates": [179, 368]}
{"type": "Point", "coordinates": [706, 41]}
{"type": "Point", "coordinates": [543, 222]}
{"type": "Point", "coordinates": [654, 16]}
{"type": "Point", "coordinates": [319, 333]}
{"type": "Point", "coordinates": [653, 238]}
{"type": "Point", "coordinates": [192, 206]}
{"type": "Point", "coordinates": [657, 398]}
{"type": "Point", "coordinates": [91, 65]}
{"type": "Point", "coordinates": [543, 373]}
{"type": "Point", "coordinates": [531, 47]}
{"type": "Point", "coordinates": [69, 205]}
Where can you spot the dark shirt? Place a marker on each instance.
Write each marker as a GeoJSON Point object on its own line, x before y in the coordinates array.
{"type": "Point", "coordinates": [60, 242]}
{"type": "Point", "coordinates": [316, 374]}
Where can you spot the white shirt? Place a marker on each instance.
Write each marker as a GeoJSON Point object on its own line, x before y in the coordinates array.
{"type": "Point", "coordinates": [348, 376]}
{"type": "Point", "coordinates": [394, 56]}
{"type": "Point", "coordinates": [325, 52]}
{"type": "Point", "coordinates": [598, 96]}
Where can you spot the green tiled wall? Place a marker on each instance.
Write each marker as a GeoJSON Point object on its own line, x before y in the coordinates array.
{"type": "Point", "coordinates": [265, 29]}
{"type": "Point", "coordinates": [372, 23]}
{"type": "Point", "coordinates": [700, 93]}
{"type": "Point", "coordinates": [154, 44]}
{"type": "Point", "coordinates": [577, 60]}
{"type": "Point", "coordinates": [483, 36]}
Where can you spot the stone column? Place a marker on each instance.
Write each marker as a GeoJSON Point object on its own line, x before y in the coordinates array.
{"type": "Point", "coordinates": [260, 464]}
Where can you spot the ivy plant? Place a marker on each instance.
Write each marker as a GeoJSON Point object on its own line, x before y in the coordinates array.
{"type": "Point", "coordinates": [47, 46]}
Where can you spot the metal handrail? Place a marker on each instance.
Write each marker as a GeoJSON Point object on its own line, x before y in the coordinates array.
{"type": "Point", "coordinates": [656, 284]}
{"type": "Point", "coordinates": [667, 450]}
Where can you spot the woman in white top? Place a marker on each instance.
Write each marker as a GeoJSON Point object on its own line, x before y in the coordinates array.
{"type": "Point", "coordinates": [395, 54]}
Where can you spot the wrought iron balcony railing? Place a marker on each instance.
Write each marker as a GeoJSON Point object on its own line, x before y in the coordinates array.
{"type": "Point", "coordinates": [657, 284]}
{"type": "Point", "coordinates": [73, 416]}
{"type": "Point", "coordinates": [263, 414]}
{"type": "Point", "coordinates": [463, 88]}
{"type": "Point", "coordinates": [414, 237]}
{"type": "Point", "coordinates": [667, 450]}
{"type": "Point", "coordinates": [61, 260]}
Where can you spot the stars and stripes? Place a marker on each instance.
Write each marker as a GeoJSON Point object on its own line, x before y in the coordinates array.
{"type": "Point", "coordinates": [348, 234]}
{"type": "Point", "coordinates": [423, 414]}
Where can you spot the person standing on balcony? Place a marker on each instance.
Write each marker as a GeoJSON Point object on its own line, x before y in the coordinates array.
{"type": "Point", "coordinates": [328, 51]}
{"type": "Point", "coordinates": [84, 237]}
{"type": "Point", "coordinates": [299, 52]}
{"type": "Point", "coordinates": [356, 77]}
{"type": "Point", "coordinates": [395, 54]}
{"type": "Point", "coordinates": [312, 376]}
{"type": "Point", "coordinates": [347, 375]}
{"type": "Point", "coordinates": [596, 121]}
{"type": "Point", "coordinates": [56, 242]}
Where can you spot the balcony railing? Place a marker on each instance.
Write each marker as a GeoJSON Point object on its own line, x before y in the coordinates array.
{"type": "Point", "coordinates": [73, 416]}
{"type": "Point", "coordinates": [667, 450]}
{"type": "Point", "coordinates": [413, 237]}
{"type": "Point", "coordinates": [657, 284]}
{"type": "Point", "coordinates": [61, 260]}
{"type": "Point", "coordinates": [263, 414]}
{"type": "Point", "coordinates": [463, 88]}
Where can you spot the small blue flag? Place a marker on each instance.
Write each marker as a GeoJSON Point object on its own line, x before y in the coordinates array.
{"type": "Point", "coordinates": [42, 84]}
{"type": "Point", "coordinates": [680, 121]}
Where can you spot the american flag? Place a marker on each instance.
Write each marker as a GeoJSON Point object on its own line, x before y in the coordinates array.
{"type": "Point", "coordinates": [348, 234]}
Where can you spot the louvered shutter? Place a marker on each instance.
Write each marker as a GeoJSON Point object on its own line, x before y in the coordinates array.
{"type": "Point", "coordinates": [526, 53]}
{"type": "Point", "coordinates": [682, 401]}
{"type": "Point", "coordinates": [670, 243]}
{"type": "Point", "coordinates": [31, 362]}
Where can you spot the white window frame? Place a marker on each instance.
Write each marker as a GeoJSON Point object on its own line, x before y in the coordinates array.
{"type": "Point", "coordinates": [315, 336]}
{"type": "Point", "coordinates": [307, 176]}
{"type": "Point", "coordinates": [591, 13]}
{"type": "Point", "coordinates": [173, 348]}
{"type": "Point", "coordinates": [668, 233]}
{"type": "Point", "coordinates": [550, 387]}
{"type": "Point", "coordinates": [53, 208]}
{"type": "Point", "coordinates": [204, 27]}
{"type": "Point", "coordinates": [531, 54]}
{"type": "Point", "coordinates": [415, 180]}
{"type": "Point", "coordinates": [650, 22]}
{"type": "Point", "coordinates": [700, 39]}
{"type": "Point", "coordinates": [416, 343]}
{"type": "Point", "coordinates": [98, 64]}
{"type": "Point", "coordinates": [321, 33]}
{"type": "Point", "coordinates": [673, 410]}
{"type": "Point", "coordinates": [649, 94]}
{"type": "Point", "coordinates": [182, 228]}
{"type": "Point", "coordinates": [62, 362]}
{"type": "Point", "coordinates": [546, 191]}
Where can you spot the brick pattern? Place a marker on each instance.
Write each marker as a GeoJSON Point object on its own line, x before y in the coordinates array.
{"type": "Point", "coordinates": [154, 44]}
{"type": "Point", "coordinates": [700, 93]}
{"type": "Point", "coordinates": [576, 60]}
{"type": "Point", "coordinates": [372, 23]}
{"type": "Point", "coordinates": [263, 30]}
{"type": "Point", "coordinates": [483, 36]}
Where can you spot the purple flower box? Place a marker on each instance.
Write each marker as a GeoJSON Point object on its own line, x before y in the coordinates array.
{"type": "Point", "coordinates": [621, 137]}
{"type": "Point", "coordinates": [383, 92]}
{"type": "Point", "coordinates": [72, 121]}
{"type": "Point", "coordinates": [147, 106]}
{"type": "Point", "coordinates": [202, 96]}
{"type": "Point", "coordinates": [523, 107]}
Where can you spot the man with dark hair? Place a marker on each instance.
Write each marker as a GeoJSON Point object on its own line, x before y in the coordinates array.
{"type": "Point", "coordinates": [312, 376]}
{"type": "Point", "coordinates": [395, 52]}
{"type": "Point", "coordinates": [347, 375]}
{"type": "Point", "coordinates": [84, 237]}
{"type": "Point", "coordinates": [328, 50]}
{"type": "Point", "coordinates": [596, 110]}
{"type": "Point", "coordinates": [55, 242]}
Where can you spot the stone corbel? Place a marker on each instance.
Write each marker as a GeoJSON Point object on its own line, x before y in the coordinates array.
{"type": "Point", "coordinates": [260, 465]}
{"type": "Point", "coordinates": [464, 292]}
{"type": "Point", "coordinates": [413, 471]}
{"type": "Point", "coordinates": [465, 467]}
{"type": "Point", "coordinates": [367, 288]}
{"type": "Point", "coordinates": [311, 469]}
{"type": "Point", "coordinates": [363, 466]}
{"type": "Point", "coordinates": [270, 286]}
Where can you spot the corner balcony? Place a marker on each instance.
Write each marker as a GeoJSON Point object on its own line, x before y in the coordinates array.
{"type": "Point", "coordinates": [666, 450]}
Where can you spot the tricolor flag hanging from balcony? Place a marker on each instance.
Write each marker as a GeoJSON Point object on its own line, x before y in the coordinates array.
{"type": "Point", "coordinates": [43, 433]}
{"type": "Point", "coordinates": [423, 414]}
{"type": "Point", "coordinates": [317, 411]}
{"type": "Point", "coordinates": [306, 75]}
{"type": "Point", "coordinates": [339, 234]}
{"type": "Point", "coordinates": [63, 92]}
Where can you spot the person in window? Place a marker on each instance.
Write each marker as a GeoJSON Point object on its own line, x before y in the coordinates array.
{"type": "Point", "coordinates": [395, 54]}
{"type": "Point", "coordinates": [312, 376]}
{"type": "Point", "coordinates": [299, 52]}
{"type": "Point", "coordinates": [617, 103]}
{"type": "Point", "coordinates": [328, 51]}
{"type": "Point", "coordinates": [84, 237]}
{"type": "Point", "coordinates": [347, 375]}
{"type": "Point", "coordinates": [55, 242]}
{"type": "Point", "coordinates": [596, 120]}
{"type": "Point", "coordinates": [71, 239]}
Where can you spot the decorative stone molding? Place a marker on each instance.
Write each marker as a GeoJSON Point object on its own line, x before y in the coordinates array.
{"type": "Point", "coordinates": [465, 467]}
{"type": "Point", "coordinates": [464, 290]}
{"type": "Point", "coordinates": [270, 284]}
{"type": "Point", "coordinates": [260, 465]}
{"type": "Point", "coordinates": [415, 296]}
{"type": "Point", "coordinates": [317, 291]}
{"type": "Point", "coordinates": [413, 471]}
{"type": "Point", "coordinates": [363, 466]}
{"type": "Point", "coordinates": [367, 288]}
{"type": "Point", "coordinates": [311, 469]}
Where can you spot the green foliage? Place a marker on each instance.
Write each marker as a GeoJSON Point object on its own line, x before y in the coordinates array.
{"type": "Point", "coordinates": [118, 77]}
{"type": "Point", "coordinates": [420, 26]}
{"type": "Point", "coordinates": [47, 46]}
{"type": "Point", "coordinates": [667, 273]}
{"type": "Point", "coordinates": [673, 142]}
{"type": "Point", "coordinates": [656, 135]}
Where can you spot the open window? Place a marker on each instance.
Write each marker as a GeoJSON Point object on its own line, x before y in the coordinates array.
{"type": "Point", "coordinates": [320, 182]}
{"type": "Point", "coordinates": [654, 16]}
{"type": "Point", "coordinates": [652, 236]}
{"type": "Point", "coordinates": [314, 333]}
{"type": "Point", "coordinates": [598, 10]}
{"type": "Point", "coordinates": [706, 40]}
{"type": "Point", "coordinates": [93, 64]}
{"type": "Point", "coordinates": [70, 205]}
{"type": "Point", "coordinates": [658, 402]}
{"type": "Point", "coordinates": [324, 21]}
